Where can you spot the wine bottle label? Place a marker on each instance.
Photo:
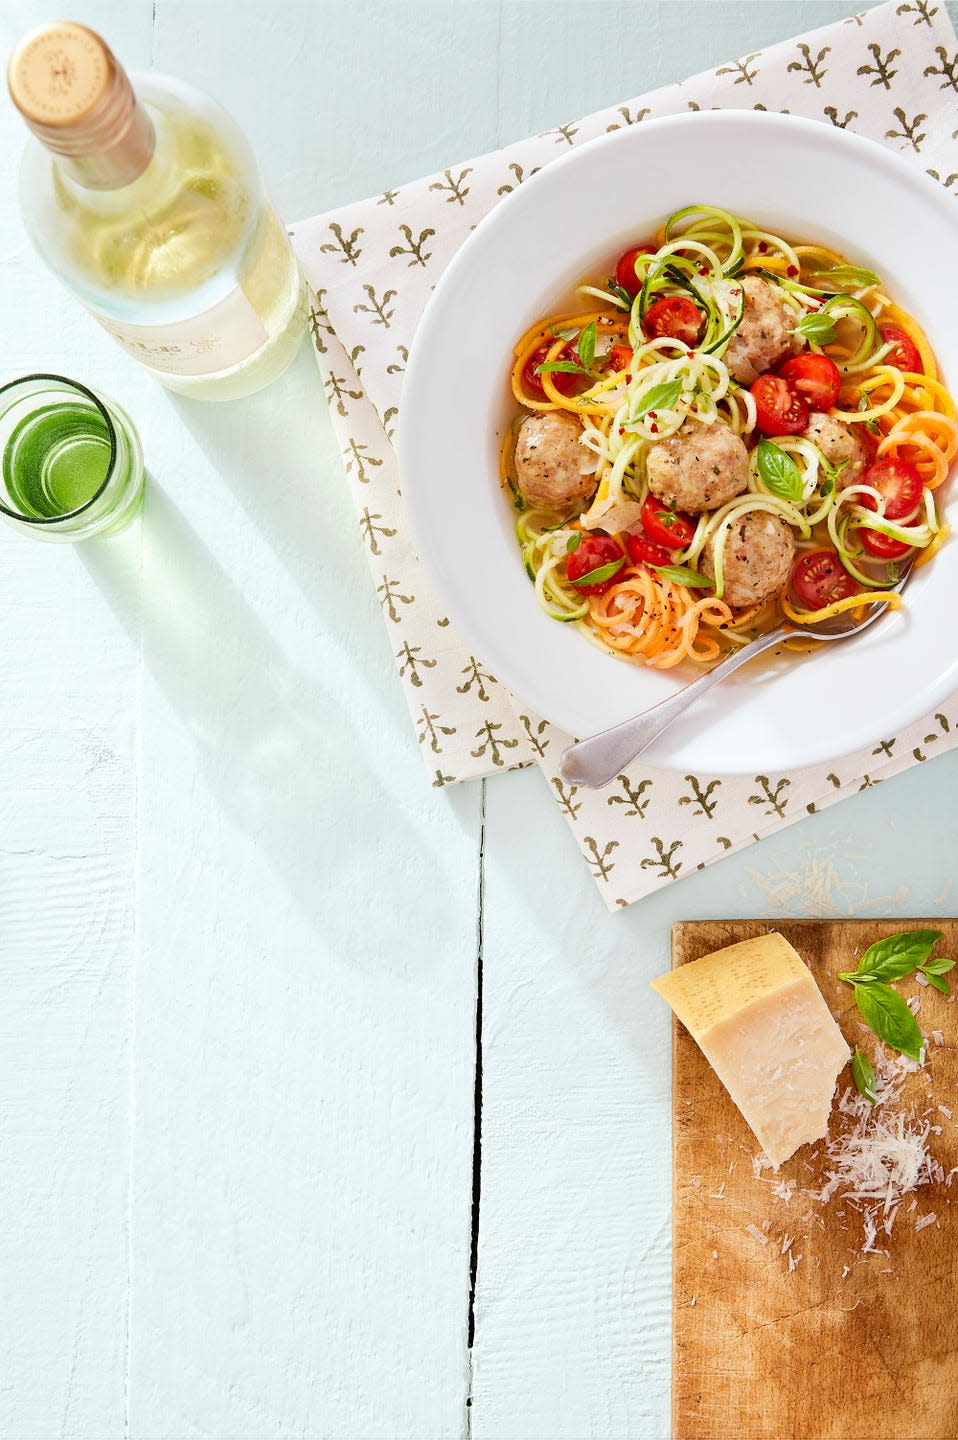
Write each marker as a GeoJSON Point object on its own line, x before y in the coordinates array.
{"type": "Point", "coordinates": [216, 339]}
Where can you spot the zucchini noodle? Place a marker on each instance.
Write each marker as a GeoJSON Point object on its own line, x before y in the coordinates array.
{"type": "Point", "coordinates": [629, 388]}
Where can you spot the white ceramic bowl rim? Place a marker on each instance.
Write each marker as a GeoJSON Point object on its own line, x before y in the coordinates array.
{"type": "Point", "coordinates": [865, 200]}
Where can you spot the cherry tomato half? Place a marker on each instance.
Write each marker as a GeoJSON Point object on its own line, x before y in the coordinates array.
{"type": "Point", "coordinates": [815, 377]}
{"type": "Point", "coordinates": [883, 547]}
{"type": "Point", "coordinates": [625, 276]}
{"type": "Point", "coordinates": [593, 552]}
{"type": "Point", "coordinates": [781, 410]}
{"type": "Point", "coordinates": [676, 317]}
{"type": "Point", "coordinates": [905, 352]}
{"type": "Point", "coordinates": [620, 357]}
{"type": "Point", "coordinates": [665, 526]}
{"type": "Point", "coordinates": [899, 485]}
{"type": "Point", "coordinates": [565, 383]}
{"type": "Point", "coordinates": [819, 579]}
{"type": "Point", "coordinates": [642, 551]}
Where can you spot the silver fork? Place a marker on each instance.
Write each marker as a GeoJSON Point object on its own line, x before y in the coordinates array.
{"type": "Point", "coordinates": [596, 761]}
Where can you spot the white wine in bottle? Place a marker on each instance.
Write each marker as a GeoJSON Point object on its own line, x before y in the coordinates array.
{"type": "Point", "coordinates": [148, 204]}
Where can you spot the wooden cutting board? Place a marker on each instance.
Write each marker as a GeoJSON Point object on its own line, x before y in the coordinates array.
{"type": "Point", "coordinates": [840, 1345]}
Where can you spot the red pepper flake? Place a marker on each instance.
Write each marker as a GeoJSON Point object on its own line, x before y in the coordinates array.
{"type": "Point", "coordinates": [653, 415]}
{"type": "Point", "coordinates": [654, 428]}
{"type": "Point", "coordinates": [703, 269]}
{"type": "Point", "coordinates": [621, 429]}
{"type": "Point", "coordinates": [763, 247]}
{"type": "Point", "coordinates": [792, 271]}
{"type": "Point", "coordinates": [628, 378]}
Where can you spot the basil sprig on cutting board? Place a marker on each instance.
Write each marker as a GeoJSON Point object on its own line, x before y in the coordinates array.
{"type": "Point", "coordinates": [883, 1009]}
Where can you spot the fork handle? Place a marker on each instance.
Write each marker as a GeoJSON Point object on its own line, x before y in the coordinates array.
{"type": "Point", "coordinates": [599, 759]}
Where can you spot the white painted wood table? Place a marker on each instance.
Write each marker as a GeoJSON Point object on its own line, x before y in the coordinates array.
{"type": "Point", "coordinates": [241, 938]}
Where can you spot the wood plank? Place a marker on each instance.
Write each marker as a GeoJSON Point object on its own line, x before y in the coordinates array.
{"type": "Point", "coordinates": [840, 1343]}
{"type": "Point", "coordinates": [307, 903]}
{"type": "Point", "coordinates": [67, 858]}
{"type": "Point", "coordinates": [573, 1298]}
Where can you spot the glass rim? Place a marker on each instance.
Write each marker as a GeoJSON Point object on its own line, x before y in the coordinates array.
{"type": "Point", "coordinates": [110, 469]}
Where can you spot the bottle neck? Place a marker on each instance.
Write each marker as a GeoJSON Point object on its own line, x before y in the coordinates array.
{"type": "Point", "coordinates": [122, 158]}
{"type": "Point", "coordinates": [77, 99]}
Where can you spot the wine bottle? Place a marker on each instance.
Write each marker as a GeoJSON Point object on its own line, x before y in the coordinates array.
{"type": "Point", "coordinates": [148, 204]}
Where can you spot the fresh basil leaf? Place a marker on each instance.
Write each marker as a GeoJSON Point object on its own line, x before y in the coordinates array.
{"type": "Point", "coordinates": [939, 984]}
{"type": "Point", "coordinates": [898, 955]}
{"type": "Point", "coordinates": [563, 367]}
{"type": "Point", "coordinates": [567, 332]}
{"type": "Point", "coordinates": [827, 488]}
{"type": "Point", "coordinates": [853, 978]}
{"type": "Point", "coordinates": [890, 1018]}
{"type": "Point", "coordinates": [574, 542]}
{"type": "Point", "coordinates": [587, 345]}
{"type": "Point", "coordinates": [817, 327]}
{"type": "Point", "coordinates": [938, 966]}
{"type": "Point", "coordinates": [660, 397]}
{"type": "Point", "coordinates": [780, 475]}
{"type": "Point", "coordinates": [601, 572]}
{"type": "Point", "coordinates": [850, 275]}
{"type": "Point", "coordinates": [864, 1076]}
{"type": "Point", "coordinates": [684, 575]}
{"type": "Point", "coordinates": [893, 571]}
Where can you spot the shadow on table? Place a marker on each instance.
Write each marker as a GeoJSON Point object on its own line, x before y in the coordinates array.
{"type": "Point", "coordinates": [275, 748]}
{"type": "Point", "coordinates": [269, 451]}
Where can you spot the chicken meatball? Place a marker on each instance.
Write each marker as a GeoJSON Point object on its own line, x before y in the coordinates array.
{"type": "Point", "coordinates": [837, 443]}
{"type": "Point", "coordinates": [698, 468]}
{"type": "Point", "coordinates": [759, 550]}
{"type": "Point", "coordinates": [552, 468]}
{"type": "Point", "coordinates": [765, 334]}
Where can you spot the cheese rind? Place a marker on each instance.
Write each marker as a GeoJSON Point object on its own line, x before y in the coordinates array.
{"type": "Point", "coordinates": [762, 1023]}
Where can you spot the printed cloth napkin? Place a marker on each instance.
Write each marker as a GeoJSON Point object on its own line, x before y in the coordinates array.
{"type": "Point", "coordinates": [890, 73]}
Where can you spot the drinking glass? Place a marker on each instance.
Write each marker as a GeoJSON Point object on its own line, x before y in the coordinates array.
{"type": "Point", "coordinates": [72, 462]}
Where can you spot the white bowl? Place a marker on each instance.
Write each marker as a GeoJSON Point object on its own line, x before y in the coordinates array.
{"type": "Point", "coordinates": [805, 180]}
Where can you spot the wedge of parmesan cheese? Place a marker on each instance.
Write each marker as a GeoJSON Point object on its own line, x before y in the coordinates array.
{"type": "Point", "coordinates": [763, 1025]}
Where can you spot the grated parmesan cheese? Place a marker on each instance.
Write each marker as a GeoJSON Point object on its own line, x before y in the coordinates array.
{"type": "Point", "coordinates": [880, 1157]}
{"type": "Point", "coordinates": [884, 1154]}
{"type": "Point", "coordinates": [817, 887]}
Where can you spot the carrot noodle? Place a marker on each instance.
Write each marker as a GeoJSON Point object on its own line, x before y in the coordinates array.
{"type": "Point", "coordinates": [643, 616]}
{"type": "Point", "coordinates": [909, 324]}
{"type": "Point", "coordinates": [926, 439]}
{"type": "Point", "coordinates": [545, 331]}
{"type": "Point", "coordinates": [891, 598]}
{"type": "Point", "coordinates": [925, 555]}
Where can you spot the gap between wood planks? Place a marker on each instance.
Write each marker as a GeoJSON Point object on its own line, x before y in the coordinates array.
{"type": "Point", "coordinates": [477, 1112]}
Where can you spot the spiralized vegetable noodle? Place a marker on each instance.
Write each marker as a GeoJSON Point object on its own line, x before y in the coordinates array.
{"type": "Point", "coordinates": [637, 366]}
